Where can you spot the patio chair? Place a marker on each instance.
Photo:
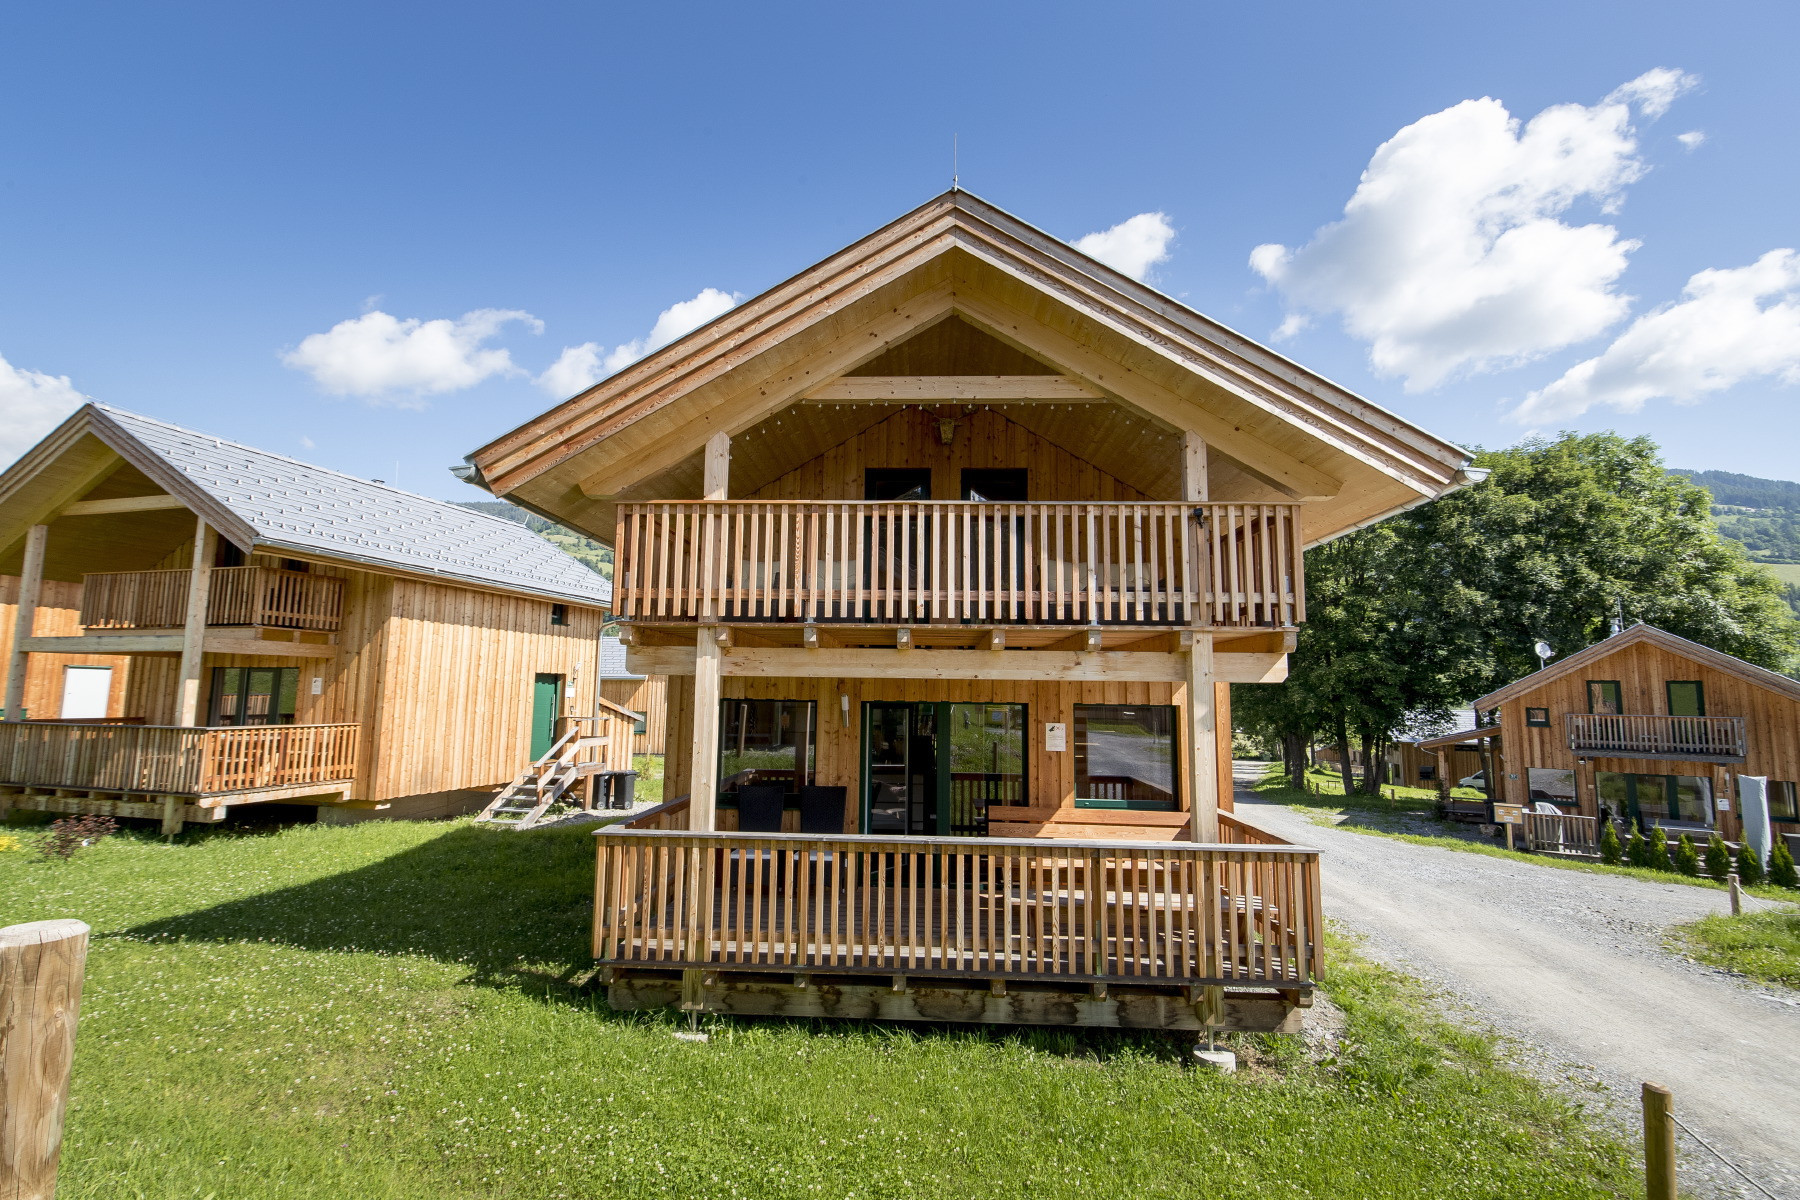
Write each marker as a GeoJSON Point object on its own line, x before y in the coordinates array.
{"type": "Point", "coordinates": [759, 808]}
{"type": "Point", "coordinates": [822, 809]}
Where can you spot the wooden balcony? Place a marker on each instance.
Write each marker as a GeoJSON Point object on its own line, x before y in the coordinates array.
{"type": "Point", "coordinates": [1680, 739]}
{"type": "Point", "coordinates": [216, 763]}
{"type": "Point", "coordinates": [259, 596]}
{"type": "Point", "coordinates": [1224, 566]}
{"type": "Point", "coordinates": [759, 922]}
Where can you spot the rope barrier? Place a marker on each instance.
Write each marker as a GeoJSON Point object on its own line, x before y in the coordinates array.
{"type": "Point", "coordinates": [1759, 1187]}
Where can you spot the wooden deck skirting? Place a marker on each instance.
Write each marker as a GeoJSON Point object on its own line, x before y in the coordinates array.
{"type": "Point", "coordinates": [175, 760]}
{"type": "Point", "coordinates": [1201, 565]}
{"type": "Point", "coordinates": [237, 596]}
{"type": "Point", "coordinates": [1075, 912]}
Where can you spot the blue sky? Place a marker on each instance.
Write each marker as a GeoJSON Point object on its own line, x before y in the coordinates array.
{"type": "Point", "coordinates": [191, 192]}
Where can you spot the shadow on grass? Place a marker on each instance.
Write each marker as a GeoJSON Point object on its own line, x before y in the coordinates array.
{"type": "Point", "coordinates": [516, 909]}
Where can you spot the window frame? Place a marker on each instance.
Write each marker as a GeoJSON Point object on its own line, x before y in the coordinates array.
{"type": "Point", "coordinates": [1542, 722]}
{"type": "Point", "coordinates": [1699, 687]}
{"type": "Point", "coordinates": [1791, 813]}
{"type": "Point", "coordinates": [1618, 696]}
{"type": "Point", "coordinates": [805, 773]}
{"type": "Point", "coordinates": [242, 692]}
{"type": "Point", "coordinates": [559, 614]}
{"type": "Point", "coordinates": [1176, 774]}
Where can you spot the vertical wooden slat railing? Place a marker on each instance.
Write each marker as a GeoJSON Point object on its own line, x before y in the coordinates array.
{"type": "Point", "coordinates": [985, 907]}
{"type": "Point", "coordinates": [109, 757]}
{"type": "Point", "coordinates": [246, 757]}
{"type": "Point", "coordinates": [1648, 734]}
{"type": "Point", "coordinates": [236, 596]}
{"type": "Point", "coordinates": [1562, 833]}
{"type": "Point", "coordinates": [1202, 565]}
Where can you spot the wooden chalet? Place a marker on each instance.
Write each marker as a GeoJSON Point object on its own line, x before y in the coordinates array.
{"type": "Point", "coordinates": [646, 696]}
{"type": "Point", "coordinates": [950, 547]}
{"type": "Point", "coordinates": [192, 625]}
{"type": "Point", "coordinates": [1650, 728]}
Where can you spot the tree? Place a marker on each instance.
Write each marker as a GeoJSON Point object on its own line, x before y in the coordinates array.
{"type": "Point", "coordinates": [1781, 866]}
{"type": "Point", "coordinates": [1610, 850]}
{"type": "Point", "coordinates": [1282, 714]}
{"type": "Point", "coordinates": [1687, 857]}
{"type": "Point", "coordinates": [1718, 858]}
{"type": "Point", "coordinates": [1749, 865]}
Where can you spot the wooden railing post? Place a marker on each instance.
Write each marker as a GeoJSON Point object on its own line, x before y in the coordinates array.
{"type": "Point", "coordinates": [193, 634]}
{"type": "Point", "coordinates": [41, 967]}
{"type": "Point", "coordinates": [31, 582]}
{"type": "Point", "coordinates": [1659, 1142]}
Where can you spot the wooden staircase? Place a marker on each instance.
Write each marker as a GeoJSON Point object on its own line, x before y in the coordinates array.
{"type": "Point", "coordinates": [588, 746]}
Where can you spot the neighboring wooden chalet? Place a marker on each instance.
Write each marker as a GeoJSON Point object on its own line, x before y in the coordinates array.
{"type": "Point", "coordinates": [335, 642]}
{"type": "Point", "coordinates": [1653, 728]}
{"type": "Point", "coordinates": [645, 695]}
{"type": "Point", "coordinates": [955, 541]}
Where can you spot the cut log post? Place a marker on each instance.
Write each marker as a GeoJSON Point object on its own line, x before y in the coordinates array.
{"type": "Point", "coordinates": [1659, 1143]}
{"type": "Point", "coordinates": [41, 967]}
{"type": "Point", "coordinates": [31, 582]}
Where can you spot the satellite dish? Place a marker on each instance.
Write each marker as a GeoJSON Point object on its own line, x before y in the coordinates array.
{"type": "Point", "coordinates": [1543, 650]}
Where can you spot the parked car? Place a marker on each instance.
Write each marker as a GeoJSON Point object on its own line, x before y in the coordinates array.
{"type": "Point", "coordinates": [1478, 780]}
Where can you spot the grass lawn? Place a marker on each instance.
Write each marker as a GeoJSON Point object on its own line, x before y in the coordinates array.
{"type": "Point", "coordinates": [1381, 818]}
{"type": "Point", "coordinates": [1764, 945]}
{"type": "Point", "coordinates": [389, 1010]}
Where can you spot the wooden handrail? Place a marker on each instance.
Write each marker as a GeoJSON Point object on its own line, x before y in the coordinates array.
{"type": "Point", "coordinates": [175, 760]}
{"type": "Point", "coordinates": [237, 596]}
{"type": "Point", "coordinates": [1649, 734]}
{"type": "Point", "coordinates": [987, 907]}
{"type": "Point", "coordinates": [669, 815]}
{"type": "Point", "coordinates": [1198, 565]}
{"type": "Point", "coordinates": [1238, 832]}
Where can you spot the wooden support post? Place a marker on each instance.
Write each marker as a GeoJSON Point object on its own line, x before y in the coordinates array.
{"type": "Point", "coordinates": [1737, 893]}
{"type": "Point", "coordinates": [173, 815]}
{"type": "Point", "coordinates": [1202, 743]}
{"type": "Point", "coordinates": [1193, 467]}
{"type": "Point", "coordinates": [193, 633]}
{"type": "Point", "coordinates": [41, 966]}
{"type": "Point", "coordinates": [1090, 641]}
{"type": "Point", "coordinates": [717, 484]}
{"type": "Point", "coordinates": [809, 636]}
{"type": "Point", "coordinates": [1659, 1143]}
{"type": "Point", "coordinates": [31, 586]}
{"type": "Point", "coordinates": [996, 639]}
{"type": "Point", "coordinates": [703, 773]}
{"type": "Point", "coordinates": [1443, 774]}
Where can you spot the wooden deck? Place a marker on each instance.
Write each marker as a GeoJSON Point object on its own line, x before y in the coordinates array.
{"type": "Point", "coordinates": [1068, 918]}
{"type": "Point", "coordinates": [1224, 566]}
{"type": "Point", "coordinates": [166, 760]}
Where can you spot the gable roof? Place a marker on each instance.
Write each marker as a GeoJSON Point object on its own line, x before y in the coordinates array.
{"type": "Point", "coordinates": [612, 660]}
{"type": "Point", "coordinates": [1637, 635]}
{"type": "Point", "coordinates": [268, 502]}
{"type": "Point", "coordinates": [957, 255]}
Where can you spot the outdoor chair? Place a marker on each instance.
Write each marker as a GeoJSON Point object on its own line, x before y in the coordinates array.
{"type": "Point", "coordinates": [759, 808]}
{"type": "Point", "coordinates": [822, 809]}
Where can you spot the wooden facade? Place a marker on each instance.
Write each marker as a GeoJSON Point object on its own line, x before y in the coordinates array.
{"type": "Point", "coordinates": [1750, 726]}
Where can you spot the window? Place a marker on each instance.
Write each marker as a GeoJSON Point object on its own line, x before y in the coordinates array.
{"type": "Point", "coordinates": [1603, 697]}
{"type": "Point", "coordinates": [293, 564]}
{"type": "Point", "coordinates": [1125, 756]}
{"type": "Point", "coordinates": [897, 483]}
{"type": "Point", "coordinates": [254, 695]}
{"type": "Point", "coordinates": [559, 614]}
{"type": "Point", "coordinates": [1551, 784]}
{"type": "Point", "coordinates": [1538, 718]}
{"type": "Point", "coordinates": [765, 742]}
{"type": "Point", "coordinates": [1002, 485]}
{"type": "Point", "coordinates": [1656, 799]}
{"type": "Point", "coordinates": [1687, 698]}
{"type": "Point", "coordinates": [1784, 805]}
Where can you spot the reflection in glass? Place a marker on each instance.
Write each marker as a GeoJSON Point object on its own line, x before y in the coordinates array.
{"type": "Point", "coordinates": [1125, 755]}
{"type": "Point", "coordinates": [987, 763]}
{"type": "Point", "coordinates": [1648, 800]}
{"type": "Point", "coordinates": [766, 742]}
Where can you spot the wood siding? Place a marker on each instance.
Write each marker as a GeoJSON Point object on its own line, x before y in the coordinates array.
{"type": "Point", "coordinates": [650, 697]}
{"type": "Point", "coordinates": [58, 615]}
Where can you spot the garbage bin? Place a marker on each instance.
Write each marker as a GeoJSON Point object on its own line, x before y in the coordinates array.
{"type": "Point", "coordinates": [620, 787]}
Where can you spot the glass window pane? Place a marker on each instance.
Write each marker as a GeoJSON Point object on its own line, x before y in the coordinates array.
{"type": "Point", "coordinates": [766, 742]}
{"type": "Point", "coordinates": [1125, 755]}
{"type": "Point", "coordinates": [1692, 800]}
{"type": "Point", "coordinates": [1784, 805]}
{"type": "Point", "coordinates": [987, 762]}
{"type": "Point", "coordinates": [287, 694]}
{"type": "Point", "coordinates": [1615, 794]}
{"type": "Point", "coordinates": [1685, 699]}
{"type": "Point", "coordinates": [227, 682]}
{"type": "Point", "coordinates": [1603, 697]}
{"type": "Point", "coordinates": [890, 743]}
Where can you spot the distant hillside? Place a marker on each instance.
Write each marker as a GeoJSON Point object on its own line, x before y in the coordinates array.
{"type": "Point", "coordinates": [1763, 514]}
{"type": "Point", "coordinates": [590, 554]}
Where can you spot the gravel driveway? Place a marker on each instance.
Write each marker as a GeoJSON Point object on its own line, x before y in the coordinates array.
{"type": "Point", "coordinates": [1571, 965]}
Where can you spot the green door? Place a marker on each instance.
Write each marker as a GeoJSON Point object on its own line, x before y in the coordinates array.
{"type": "Point", "coordinates": [545, 693]}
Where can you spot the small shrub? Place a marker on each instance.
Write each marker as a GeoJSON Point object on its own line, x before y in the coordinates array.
{"type": "Point", "coordinates": [1718, 858]}
{"type": "Point", "coordinates": [72, 833]}
{"type": "Point", "coordinates": [1637, 850]}
{"type": "Point", "coordinates": [1749, 866]}
{"type": "Point", "coordinates": [1781, 866]}
{"type": "Point", "coordinates": [1658, 851]}
{"type": "Point", "coordinates": [1687, 858]}
{"type": "Point", "coordinates": [1610, 850]}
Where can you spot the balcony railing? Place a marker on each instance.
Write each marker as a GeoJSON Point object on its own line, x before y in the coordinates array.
{"type": "Point", "coordinates": [1196, 565]}
{"type": "Point", "coordinates": [1694, 739]}
{"type": "Point", "coordinates": [236, 596]}
{"type": "Point", "coordinates": [175, 760]}
{"type": "Point", "coordinates": [994, 908]}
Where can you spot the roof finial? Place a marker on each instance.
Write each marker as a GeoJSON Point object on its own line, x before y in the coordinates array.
{"type": "Point", "coordinates": [953, 162]}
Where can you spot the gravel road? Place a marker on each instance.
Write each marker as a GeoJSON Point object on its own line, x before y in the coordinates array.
{"type": "Point", "coordinates": [1571, 966]}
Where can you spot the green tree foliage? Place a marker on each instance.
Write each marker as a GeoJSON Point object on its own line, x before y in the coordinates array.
{"type": "Point", "coordinates": [1749, 866]}
{"type": "Point", "coordinates": [1718, 858]}
{"type": "Point", "coordinates": [1781, 866]}
{"type": "Point", "coordinates": [1687, 858]}
{"type": "Point", "coordinates": [1610, 850]}
{"type": "Point", "coordinates": [1637, 849]}
{"type": "Point", "coordinates": [1657, 853]}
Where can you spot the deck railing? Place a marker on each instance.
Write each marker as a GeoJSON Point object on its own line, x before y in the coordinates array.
{"type": "Point", "coordinates": [1718, 739]}
{"type": "Point", "coordinates": [236, 596]}
{"type": "Point", "coordinates": [175, 760]}
{"type": "Point", "coordinates": [989, 907]}
{"type": "Point", "coordinates": [1202, 565]}
{"type": "Point", "coordinates": [1562, 833]}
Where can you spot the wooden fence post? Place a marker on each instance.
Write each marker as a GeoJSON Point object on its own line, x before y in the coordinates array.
{"type": "Point", "coordinates": [1659, 1143]}
{"type": "Point", "coordinates": [41, 966]}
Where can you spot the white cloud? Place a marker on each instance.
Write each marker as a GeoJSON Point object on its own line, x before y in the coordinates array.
{"type": "Point", "coordinates": [578, 368]}
{"type": "Point", "coordinates": [1451, 255]}
{"type": "Point", "coordinates": [378, 356]}
{"type": "Point", "coordinates": [1692, 140]}
{"type": "Point", "coordinates": [1731, 325]}
{"type": "Point", "coordinates": [31, 405]}
{"type": "Point", "coordinates": [1132, 246]}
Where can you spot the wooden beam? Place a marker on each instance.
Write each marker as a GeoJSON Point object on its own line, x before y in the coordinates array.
{"type": "Point", "coordinates": [1202, 747]}
{"type": "Point", "coordinates": [1193, 467]}
{"type": "Point", "coordinates": [121, 504]}
{"type": "Point", "coordinates": [31, 586]}
{"type": "Point", "coordinates": [927, 389]}
{"type": "Point", "coordinates": [703, 771]}
{"type": "Point", "coordinates": [794, 662]}
{"type": "Point", "coordinates": [193, 634]}
{"type": "Point", "coordinates": [996, 639]}
{"type": "Point", "coordinates": [718, 467]}
{"type": "Point", "coordinates": [107, 643]}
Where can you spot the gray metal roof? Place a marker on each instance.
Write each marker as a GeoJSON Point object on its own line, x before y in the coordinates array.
{"type": "Point", "coordinates": [612, 660]}
{"type": "Point", "coordinates": [291, 505]}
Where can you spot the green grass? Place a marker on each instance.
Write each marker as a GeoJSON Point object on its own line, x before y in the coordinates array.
{"type": "Point", "coordinates": [1763, 945]}
{"type": "Point", "coordinates": [648, 788]}
{"type": "Point", "coordinates": [1327, 804]}
{"type": "Point", "coordinates": [393, 1010]}
{"type": "Point", "coordinates": [1786, 572]}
